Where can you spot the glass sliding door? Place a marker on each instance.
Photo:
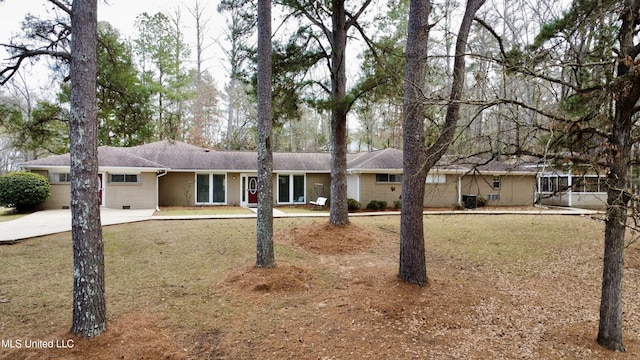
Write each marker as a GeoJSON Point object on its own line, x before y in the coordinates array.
{"type": "Point", "coordinates": [202, 188]}
{"type": "Point", "coordinates": [283, 189]}
{"type": "Point", "coordinates": [211, 189]}
{"type": "Point", "coordinates": [298, 188]}
{"type": "Point", "coordinates": [218, 188]}
{"type": "Point", "coordinates": [291, 189]}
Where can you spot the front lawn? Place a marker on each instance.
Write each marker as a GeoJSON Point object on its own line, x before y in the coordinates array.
{"type": "Point", "coordinates": [302, 209]}
{"type": "Point", "coordinates": [502, 286]}
{"type": "Point", "coordinates": [202, 210]}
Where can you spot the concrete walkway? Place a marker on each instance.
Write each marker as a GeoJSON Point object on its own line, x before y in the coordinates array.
{"type": "Point", "coordinates": [56, 221]}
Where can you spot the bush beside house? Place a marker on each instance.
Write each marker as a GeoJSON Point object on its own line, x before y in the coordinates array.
{"type": "Point", "coordinates": [23, 190]}
{"type": "Point", "coordinates": [377, 205]}
{"type": "Point", "coordinates": [353, 204]}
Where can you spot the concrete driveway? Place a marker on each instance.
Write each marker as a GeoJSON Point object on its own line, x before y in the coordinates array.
{"type": "Point", "coordinates": [56, 221]}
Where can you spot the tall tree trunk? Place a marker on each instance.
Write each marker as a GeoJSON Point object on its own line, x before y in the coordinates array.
{"type": "Point", "coordinates": [339, 214]}
{"type": "Point", "coordinates": [416, 160]}
{"type": "Point", "coordinates": [610, 326]}
{"type": "Point", "coordinates": [231, 111]}
{"type": "Point", "coordinates": [413, 267]}
{"type": "Point", "coordinates": [89, 306]}
{"type": "Point", "coordinates": [265, 255]}
{"type": "Point", "coordinates": [618, 197]}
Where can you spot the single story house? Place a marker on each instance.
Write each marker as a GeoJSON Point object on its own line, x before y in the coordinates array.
{"type": "Point", "coordinates": [172, 173]}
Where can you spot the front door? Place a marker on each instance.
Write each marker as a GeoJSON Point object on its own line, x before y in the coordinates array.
{"type": "Point", "coordinates": [252, 189]}
{"type": "Point", "coordinates": [100, 188]}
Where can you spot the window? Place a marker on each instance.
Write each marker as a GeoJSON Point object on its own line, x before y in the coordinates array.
{"type": "Point", "coordinates": [389, 178]}
{"type": "Point", "coordinates": [493, 197]}
{"type": "Point", "coordinates": [554, 184]}
{"type": "Point", "coordinates": [591, 184]}
{"type": "Point", "coordinates": [544, 184]}
{"type": "Point", "coordinates": [586, 184]}
{"type": "Point", "coordinates": [560, 183]}
{"type": "Point", "coordinates": [291, 188]}
{"type": "Point", "coordinates": [577, 184]}
{"type": "Point", "coordinates": [550, 183]}
{"type": "Point", "coordinates": [211, 188]}
{"type": "Point", "coordinates": [57, 178]}
{"type": "Point", "coordinates": [496, 182]}
{"type": "Point", "coordinates": [436, 178]}
{"type": "Point", "coordinates": [125, 178]}
{"type": "Point", "coordinates": [563, 183]}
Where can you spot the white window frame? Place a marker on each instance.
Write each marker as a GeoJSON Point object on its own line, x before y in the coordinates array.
{"type": "Point", "coordinates": [436, 178]}
{"type": "Point", "coordinates": [497, 180]}
{"type": "Point", "coordinates": [397, 178]}
{"type": "Point", "coordinates": [210, 176]}
{"type": "Point", "coordinates": [54, 178]}
{"type": "Point", "coordinates": [292, 199]}
{"type": "Point", "coordinates": [125, 182]}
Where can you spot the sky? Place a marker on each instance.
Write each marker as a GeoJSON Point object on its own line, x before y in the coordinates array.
{"type": "Point", "coordinates": [122, 14]}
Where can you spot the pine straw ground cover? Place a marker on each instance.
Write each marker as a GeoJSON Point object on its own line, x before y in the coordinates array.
{"type": "Point", "coordinates": [500, 287]}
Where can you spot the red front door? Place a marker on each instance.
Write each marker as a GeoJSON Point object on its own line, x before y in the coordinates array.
{"type": "Point", "coordinates": [252, 189]}
{"type": "Point", "coordinates": [100, 188]}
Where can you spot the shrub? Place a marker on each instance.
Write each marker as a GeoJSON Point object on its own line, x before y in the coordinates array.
{"type": "Point", "coordinates": [481, 201]}
{"type": "Point", "coordinates": [353, 204]}
{"type": "Point", "coordinates": [377, 205]}
{"type": "Point", "coordinates": [23, 190]}
{"type": "Point", "coordinates": [397, 204]}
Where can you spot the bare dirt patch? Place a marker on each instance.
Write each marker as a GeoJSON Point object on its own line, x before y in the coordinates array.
{"type": "Point", "coordinates": [139, 335]}
{"type": "Point", "coordinates": [324, 238]}
{"type": "Point", "coordinates": [282, 278]}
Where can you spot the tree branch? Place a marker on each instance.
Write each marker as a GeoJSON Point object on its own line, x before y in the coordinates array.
{"type": "Point", "coordinates": [353, 19]}
{"type": "Point", "coordinates": [7, 73]}
{"type": "Point", "coordinates": [62, 6]}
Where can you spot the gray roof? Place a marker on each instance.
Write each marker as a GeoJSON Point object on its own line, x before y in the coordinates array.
{"type": "Point", "coordinates": [178, 156]}
{"type": "Point", "coordinates": [107, 156]}
{"type": "Point", "coordinates": [489, 165]}
{"type": "Point", "coordinates": [387, 159]}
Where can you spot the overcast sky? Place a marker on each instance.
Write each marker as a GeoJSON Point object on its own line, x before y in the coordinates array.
{"type": "Point", "coordinates": [122, 14]}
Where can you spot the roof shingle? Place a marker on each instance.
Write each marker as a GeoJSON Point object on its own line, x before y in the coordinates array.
{"type": "Point", "coordinates": [178, 156]}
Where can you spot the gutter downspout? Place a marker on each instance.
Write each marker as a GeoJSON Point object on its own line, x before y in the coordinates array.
{"type": "Point", "coordinates": [570, 192]}
{"type": "Point", "coordinates": [158, 176]}
{"type": "Point", "coordinates": [459, 190]}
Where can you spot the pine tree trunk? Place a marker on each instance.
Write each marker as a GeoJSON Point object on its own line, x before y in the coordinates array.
{"type": "Point", "coordinates": [417, 160]}
{"type": "Point", "coordinates": [339, 213]}
{"type": "Point", "coordinates": [89, 305]}
{"type": "Point", "coordinates": [610, 326]}
{"type": "Point", "coordinates": [413, 267]}
{"type": "Point", "coordinates": [618, 197]}
{"type": "Point", "coordinates": [231, 112]}
{"type": "Point", "coordinates": [265, 255]}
